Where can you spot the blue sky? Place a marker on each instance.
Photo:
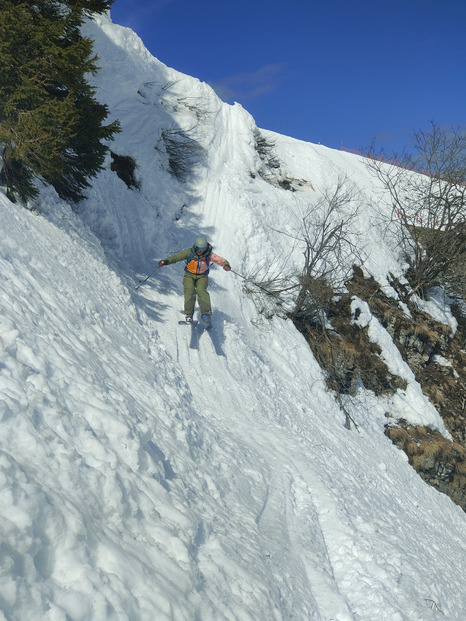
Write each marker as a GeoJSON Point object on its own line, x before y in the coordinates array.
{"type": "Point", "coordinates": [335, 72]}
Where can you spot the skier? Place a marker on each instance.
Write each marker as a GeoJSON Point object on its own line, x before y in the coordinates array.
{"type": "Point", "coordinates": [195, 280]}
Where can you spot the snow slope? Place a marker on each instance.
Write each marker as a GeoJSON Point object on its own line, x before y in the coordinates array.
{"type": "Point", "coordinates": [150, 471]}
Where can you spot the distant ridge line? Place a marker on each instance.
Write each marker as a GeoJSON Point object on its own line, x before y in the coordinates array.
{"type": "Point", "coordinates": [387, 160]}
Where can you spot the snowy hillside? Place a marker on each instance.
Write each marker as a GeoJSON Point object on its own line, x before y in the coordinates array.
{"type": "Point", "coordinates": [150, 472]}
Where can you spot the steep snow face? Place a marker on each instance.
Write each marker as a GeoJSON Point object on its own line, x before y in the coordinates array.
{"type": "Point", "coordinates": [155, 471]}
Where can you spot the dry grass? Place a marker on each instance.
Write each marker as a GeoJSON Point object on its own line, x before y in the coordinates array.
{"type": "Point", "coordinates": [398, 435]}
{"type": "Point", "coordinates": [460, 468]}
{"type": "Point", "coordinates": [439, 461]}
{"type": "Point", "coordinates": [418, 440]}
{"type": "Point", "coordinates": [425, 333]}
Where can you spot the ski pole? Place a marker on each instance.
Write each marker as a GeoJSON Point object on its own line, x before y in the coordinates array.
{"type": "Point", "coordinates": [141, 282]}
{"type": "Point", "coordinates": [252, 282]}
{"type": "Point", "coordinates": [240, 275]}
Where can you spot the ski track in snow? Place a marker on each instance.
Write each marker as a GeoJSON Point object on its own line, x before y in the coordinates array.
{"type": "Point", "coordinates": [152, 471]}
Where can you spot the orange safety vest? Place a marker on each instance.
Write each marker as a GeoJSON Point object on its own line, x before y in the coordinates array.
{"type": "Point", "coordinates": [198, 264]}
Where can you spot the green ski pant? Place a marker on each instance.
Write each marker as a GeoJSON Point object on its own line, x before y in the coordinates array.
{"type": "Point", "coordinates": [196, 285]}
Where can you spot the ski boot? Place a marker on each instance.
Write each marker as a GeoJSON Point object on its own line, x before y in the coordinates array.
{"type": "Point", "coordinates": [206, 321]}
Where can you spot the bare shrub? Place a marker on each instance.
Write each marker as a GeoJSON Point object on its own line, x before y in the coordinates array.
{"type": "Point", "coordinates": [322, 232]}
{"type": "Point", "coordinates": [429, 207]}
{"type": "Point", "coordinates": [270, 164]}
{"type": "Point", "coordinates": [264, 148]}
{"type": "Point", "coordinates": [329, 249]}
{"type": "Point", "coordinates": [183, 151]}
{"type": "Point", "coordinates": [195, 105]}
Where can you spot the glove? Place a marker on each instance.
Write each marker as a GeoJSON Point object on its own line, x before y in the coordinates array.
{"type": "Point", "coordinates": [226, 267]}
{"type": "Point", "coordinates": [162, 262]}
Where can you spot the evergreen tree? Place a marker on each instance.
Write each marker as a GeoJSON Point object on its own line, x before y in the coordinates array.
{"type": "Point", "coordinates": [51, 125]}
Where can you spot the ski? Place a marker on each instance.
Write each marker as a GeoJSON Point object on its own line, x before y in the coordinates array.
{"type": "Point", "coordinates": [187, 323]}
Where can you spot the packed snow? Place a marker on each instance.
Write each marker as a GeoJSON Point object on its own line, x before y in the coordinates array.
{"type": "Point", "coordinates": [152, 471]}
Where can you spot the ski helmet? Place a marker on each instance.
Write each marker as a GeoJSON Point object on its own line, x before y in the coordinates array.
{"type": "Point", "coordinates": [200, 243]}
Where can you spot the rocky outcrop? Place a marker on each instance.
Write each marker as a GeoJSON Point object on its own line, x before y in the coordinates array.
{"type": "Point", "coordinates": [347, 354]}
{"type": "Point", "coordinates": [438, 461]}
{"type": "Point", "coordinates": [435, 355]}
